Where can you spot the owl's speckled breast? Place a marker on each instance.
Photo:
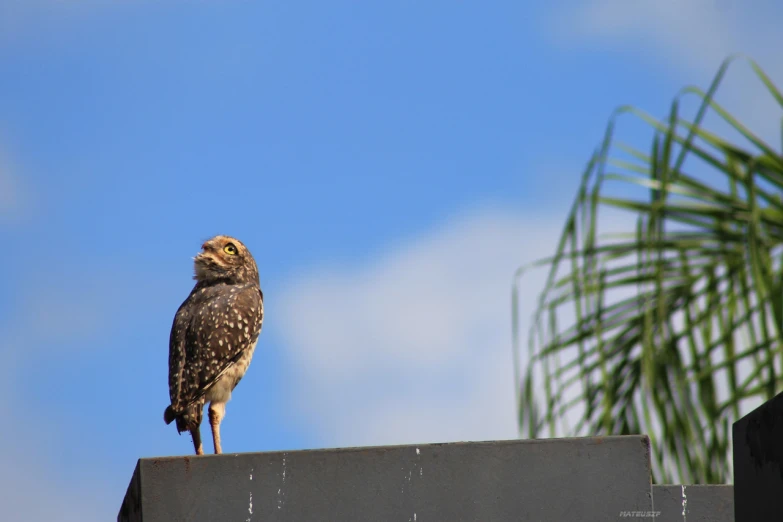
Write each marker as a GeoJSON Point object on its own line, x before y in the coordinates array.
{"type": "Point", "coordinates": [221, 391]}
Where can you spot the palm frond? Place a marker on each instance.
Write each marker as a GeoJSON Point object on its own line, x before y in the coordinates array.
{"type": "Point", "coordinates": [672, 326]}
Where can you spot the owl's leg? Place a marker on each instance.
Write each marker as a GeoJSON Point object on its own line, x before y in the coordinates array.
{"type": "Point", "coordinates": [196, 434]}
{"type": "Point", "coordinates": [190, 420]}
{"type": "Point", "coordinates": [217, 410]}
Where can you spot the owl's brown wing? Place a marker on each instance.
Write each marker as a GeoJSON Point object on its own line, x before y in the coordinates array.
{"type": "Point", "coordinates": [212, 328]}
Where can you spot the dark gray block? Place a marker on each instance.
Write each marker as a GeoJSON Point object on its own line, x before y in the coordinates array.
{"type": "Point", "coordinates": [758, 463]}
{"type": "Point", "coordinates": [700, 503]}
{"type": "Point", "coordinates": [586, 479]}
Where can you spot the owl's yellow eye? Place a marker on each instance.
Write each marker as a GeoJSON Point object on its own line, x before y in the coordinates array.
{"type": "Point", "coordinates": [230, 249]}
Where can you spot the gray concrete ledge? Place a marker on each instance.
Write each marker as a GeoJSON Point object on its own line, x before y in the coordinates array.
{"type": "Point", "coordinates": [585, 479]}
{"type": "Point", "coordinates": [699, 503]}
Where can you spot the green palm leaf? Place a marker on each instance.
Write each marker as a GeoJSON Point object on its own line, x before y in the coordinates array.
{"type": "Point", "coordinates": [672, 327]}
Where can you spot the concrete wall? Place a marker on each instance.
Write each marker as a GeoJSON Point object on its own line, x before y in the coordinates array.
{"type": "Point", "coordinates": [677, 503]}
{"type": "Point", "coordinates": [583, 479]}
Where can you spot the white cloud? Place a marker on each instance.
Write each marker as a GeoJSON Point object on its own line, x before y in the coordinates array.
{"type": "Point", "coordinates": [695, 32]}
{"type": "Point", "coordinates": [694, 36]}
{"type": "Point", "coordinates": [414, 345]}
{"type": "Point", "coordinates": [30, 488]}
{"type": "Point", "coordinates": [27, 21]}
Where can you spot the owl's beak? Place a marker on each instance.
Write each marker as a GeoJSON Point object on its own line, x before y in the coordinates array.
{"type": "Point", "coordinates": [199, 255]}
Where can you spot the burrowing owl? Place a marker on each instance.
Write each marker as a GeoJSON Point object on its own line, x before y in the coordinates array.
{"type": "Point", "coordinates": [213, 337]}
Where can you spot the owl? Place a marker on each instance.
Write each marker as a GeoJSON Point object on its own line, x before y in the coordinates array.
{"type": "Point", "coordinates": [213, 336]}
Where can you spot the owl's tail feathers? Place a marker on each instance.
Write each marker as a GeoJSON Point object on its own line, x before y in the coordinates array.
{"type": "Point", "coordinates": [169, 415]}
{"type": "Point", "coordinates": [188, 419]}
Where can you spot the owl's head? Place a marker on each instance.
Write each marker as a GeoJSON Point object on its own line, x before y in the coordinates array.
{"type": "Point", "coordinates": [225, 258]}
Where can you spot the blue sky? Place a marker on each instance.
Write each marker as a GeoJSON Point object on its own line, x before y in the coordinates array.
{"type": "Point", "coordinates": [389, 164]}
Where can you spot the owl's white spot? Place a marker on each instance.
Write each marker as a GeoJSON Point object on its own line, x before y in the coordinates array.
{"type": "Point", "coordinates": [220, 342]}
